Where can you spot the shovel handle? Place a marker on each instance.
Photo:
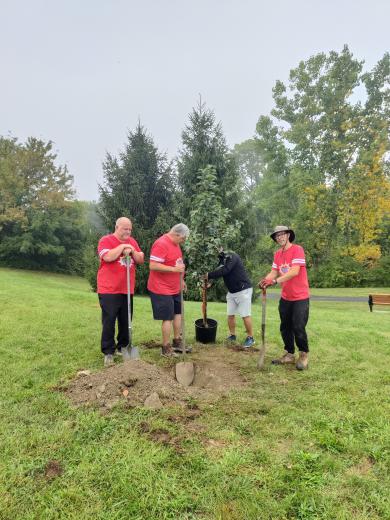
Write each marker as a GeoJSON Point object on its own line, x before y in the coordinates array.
{"type": "Point", "coordinates": [204, 303]}
{"type": "Point", "coordinates": [260, 362]}
{"type": "Point", "coordinates": [183, 334]}
{"type": "Point", "coordinates": [129, 298]}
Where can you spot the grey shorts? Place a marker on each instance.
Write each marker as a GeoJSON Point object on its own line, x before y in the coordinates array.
{"type": "Point", "coordinates": [240, 303]}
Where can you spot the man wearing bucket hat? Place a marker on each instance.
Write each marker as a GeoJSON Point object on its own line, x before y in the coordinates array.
{"type": "Point", "coordinates": [289, 271]}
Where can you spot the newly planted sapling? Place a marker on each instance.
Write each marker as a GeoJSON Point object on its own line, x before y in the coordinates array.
{"type": "Point", "coordinates": [210, 231]}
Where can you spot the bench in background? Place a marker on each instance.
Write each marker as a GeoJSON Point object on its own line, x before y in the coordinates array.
{"type": "Point", "coordinates": [378, 299]}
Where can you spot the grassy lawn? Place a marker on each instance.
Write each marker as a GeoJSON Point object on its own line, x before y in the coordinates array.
{"type": "Point", "coordinates": [290, 445]}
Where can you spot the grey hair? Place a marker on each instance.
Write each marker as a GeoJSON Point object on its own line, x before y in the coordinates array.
{"type": "Point", "coordinates": [181, 230]}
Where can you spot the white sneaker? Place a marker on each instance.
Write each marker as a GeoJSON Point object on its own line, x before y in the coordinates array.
{"type": "Point", "coordinates": [108, 360]}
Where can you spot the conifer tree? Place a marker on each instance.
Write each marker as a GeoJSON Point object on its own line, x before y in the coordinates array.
{"type": "Point", "coordinates": [138, 184]}
{"type": "Point", "coordinates": [204, 145]}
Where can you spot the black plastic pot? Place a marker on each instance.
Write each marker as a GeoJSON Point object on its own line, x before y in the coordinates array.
{"type": "Point", "coordinates": [206, 334]}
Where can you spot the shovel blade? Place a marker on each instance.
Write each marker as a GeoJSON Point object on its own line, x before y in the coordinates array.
{"type": "Point", "coordinates": [185, 373]}
{"type": "Point", "coordinates": [134, 353]}
{"type": "Point", "coordinates": [261, 359]}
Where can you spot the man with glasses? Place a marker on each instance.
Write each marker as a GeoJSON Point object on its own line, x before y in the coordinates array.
{"type": "Point", "coordinates": [289, 271]}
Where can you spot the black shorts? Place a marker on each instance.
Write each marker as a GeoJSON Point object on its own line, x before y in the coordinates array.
{"type": "Point", "coordinates": [165, 306]}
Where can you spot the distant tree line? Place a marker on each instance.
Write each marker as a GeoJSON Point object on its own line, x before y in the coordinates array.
{"type": "Point", "coordinates": [320, 162]}
{"type": "Point", "coordinates": [41, 225]}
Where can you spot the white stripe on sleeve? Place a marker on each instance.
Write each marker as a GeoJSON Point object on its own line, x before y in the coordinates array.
{"type": "Point", "coordinates": [157, 259]}
{"type": "Point", "coordinates": [298, 261]}
{"type": "Point", "coordinates": [103, 252]}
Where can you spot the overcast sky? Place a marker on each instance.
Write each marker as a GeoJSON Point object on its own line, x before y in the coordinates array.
{"type": "Point", "coordinates": [81, 72]}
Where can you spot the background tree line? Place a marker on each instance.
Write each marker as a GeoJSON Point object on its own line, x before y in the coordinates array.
{"type": "Point", "coordinates": [320, 162]}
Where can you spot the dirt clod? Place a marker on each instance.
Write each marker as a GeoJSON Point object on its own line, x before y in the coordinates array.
{"type": "Point", "coordinates": [151, 344]}
{"type": "Point", "coordinates": [153, 401]}
{"type": "Point", "coordinates": [83, 373]}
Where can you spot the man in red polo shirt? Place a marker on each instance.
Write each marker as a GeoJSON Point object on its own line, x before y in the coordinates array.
{"type": "Point", "coordinates": [289, 270]}
{"type": "Point", "coordinates": [166, 264]}
{"type": "Point", "coordinates": [112, 286]}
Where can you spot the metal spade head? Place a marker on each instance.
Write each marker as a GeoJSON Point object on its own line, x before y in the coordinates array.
{"type": "Point", "coordinates": [134, 352]}
{"type": "Point", "coordinates": [185, 373]}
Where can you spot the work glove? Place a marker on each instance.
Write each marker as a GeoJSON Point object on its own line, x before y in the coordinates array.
{"type": "Point", "coordinates": [266, 282]}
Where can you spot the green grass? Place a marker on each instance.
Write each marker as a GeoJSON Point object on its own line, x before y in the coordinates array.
{"type": "Point", "coordinates": [312, 445]}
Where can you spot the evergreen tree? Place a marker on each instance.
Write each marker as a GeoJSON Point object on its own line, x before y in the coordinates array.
{"type": "Point", "coordinates": [204, 145]}
{"type": "Point", "coordinates": [139, 184]}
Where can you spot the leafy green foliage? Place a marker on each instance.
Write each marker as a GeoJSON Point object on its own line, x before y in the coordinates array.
{"type": "Point", "coordinates": [41, 227]}
{"type": "Point", "coordinates": [209, 227]}
{"type": "Point", "coordinates": [326, 162]}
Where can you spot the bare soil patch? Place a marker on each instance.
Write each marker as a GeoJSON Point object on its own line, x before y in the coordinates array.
{"type": "Point", "coordinates": [131, 383]}
{"type": "Point", "coordinates": [240, 348]}
{"type": "Point", "coordinates": [364, 467]}
{"type": "Point", "coordinates": [151, 344]}
{"type": "Point", "coordinates": [53, 469]}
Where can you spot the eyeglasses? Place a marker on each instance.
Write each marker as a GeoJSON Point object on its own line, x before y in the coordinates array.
{"type": "Point", "coordinates": [278, 235]}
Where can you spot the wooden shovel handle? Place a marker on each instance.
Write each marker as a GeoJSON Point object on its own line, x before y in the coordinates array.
{"type": "Point", "coordinates": [204, 304]}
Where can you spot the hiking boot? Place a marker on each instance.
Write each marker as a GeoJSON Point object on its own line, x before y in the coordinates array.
{"type": "Point", "coordinates": [286, 359]}
{"type": "Point", "coordinates": [249, 342]}
{"type": "Point", "coordinates": [108, 360]}
{"type": "Point", "coordinates": [167, 351]}
{"type": "Point", "coordinates": [125, 353]}
{"type": "Point", "coordinates": [177, 345]}
{"type": "Point", "coordinates": [303, 361]}
{"type": "Point", "coordinates": [232, 338]}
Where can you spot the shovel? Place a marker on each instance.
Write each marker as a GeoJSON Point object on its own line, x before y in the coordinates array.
{"type": "Point", "coordinates": [185, 371]}
{"type": "Point", "coordinates": [134, 353]}
{"type": "Point", "coordinates": [260, 362]}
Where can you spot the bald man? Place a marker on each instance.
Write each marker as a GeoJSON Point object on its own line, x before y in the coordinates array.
{"type": "Point", "coordinates": [112, 286]}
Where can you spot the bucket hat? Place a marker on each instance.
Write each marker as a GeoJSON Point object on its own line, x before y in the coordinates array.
{"type": "Point", "coordinates": [279, 229]}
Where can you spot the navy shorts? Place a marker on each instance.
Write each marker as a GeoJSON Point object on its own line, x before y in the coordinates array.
{"type": "Point", "coordinates": [165, 306]}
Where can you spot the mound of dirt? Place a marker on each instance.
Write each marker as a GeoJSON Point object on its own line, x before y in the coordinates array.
{"type": "Point", "coordinates": [138, 383]}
